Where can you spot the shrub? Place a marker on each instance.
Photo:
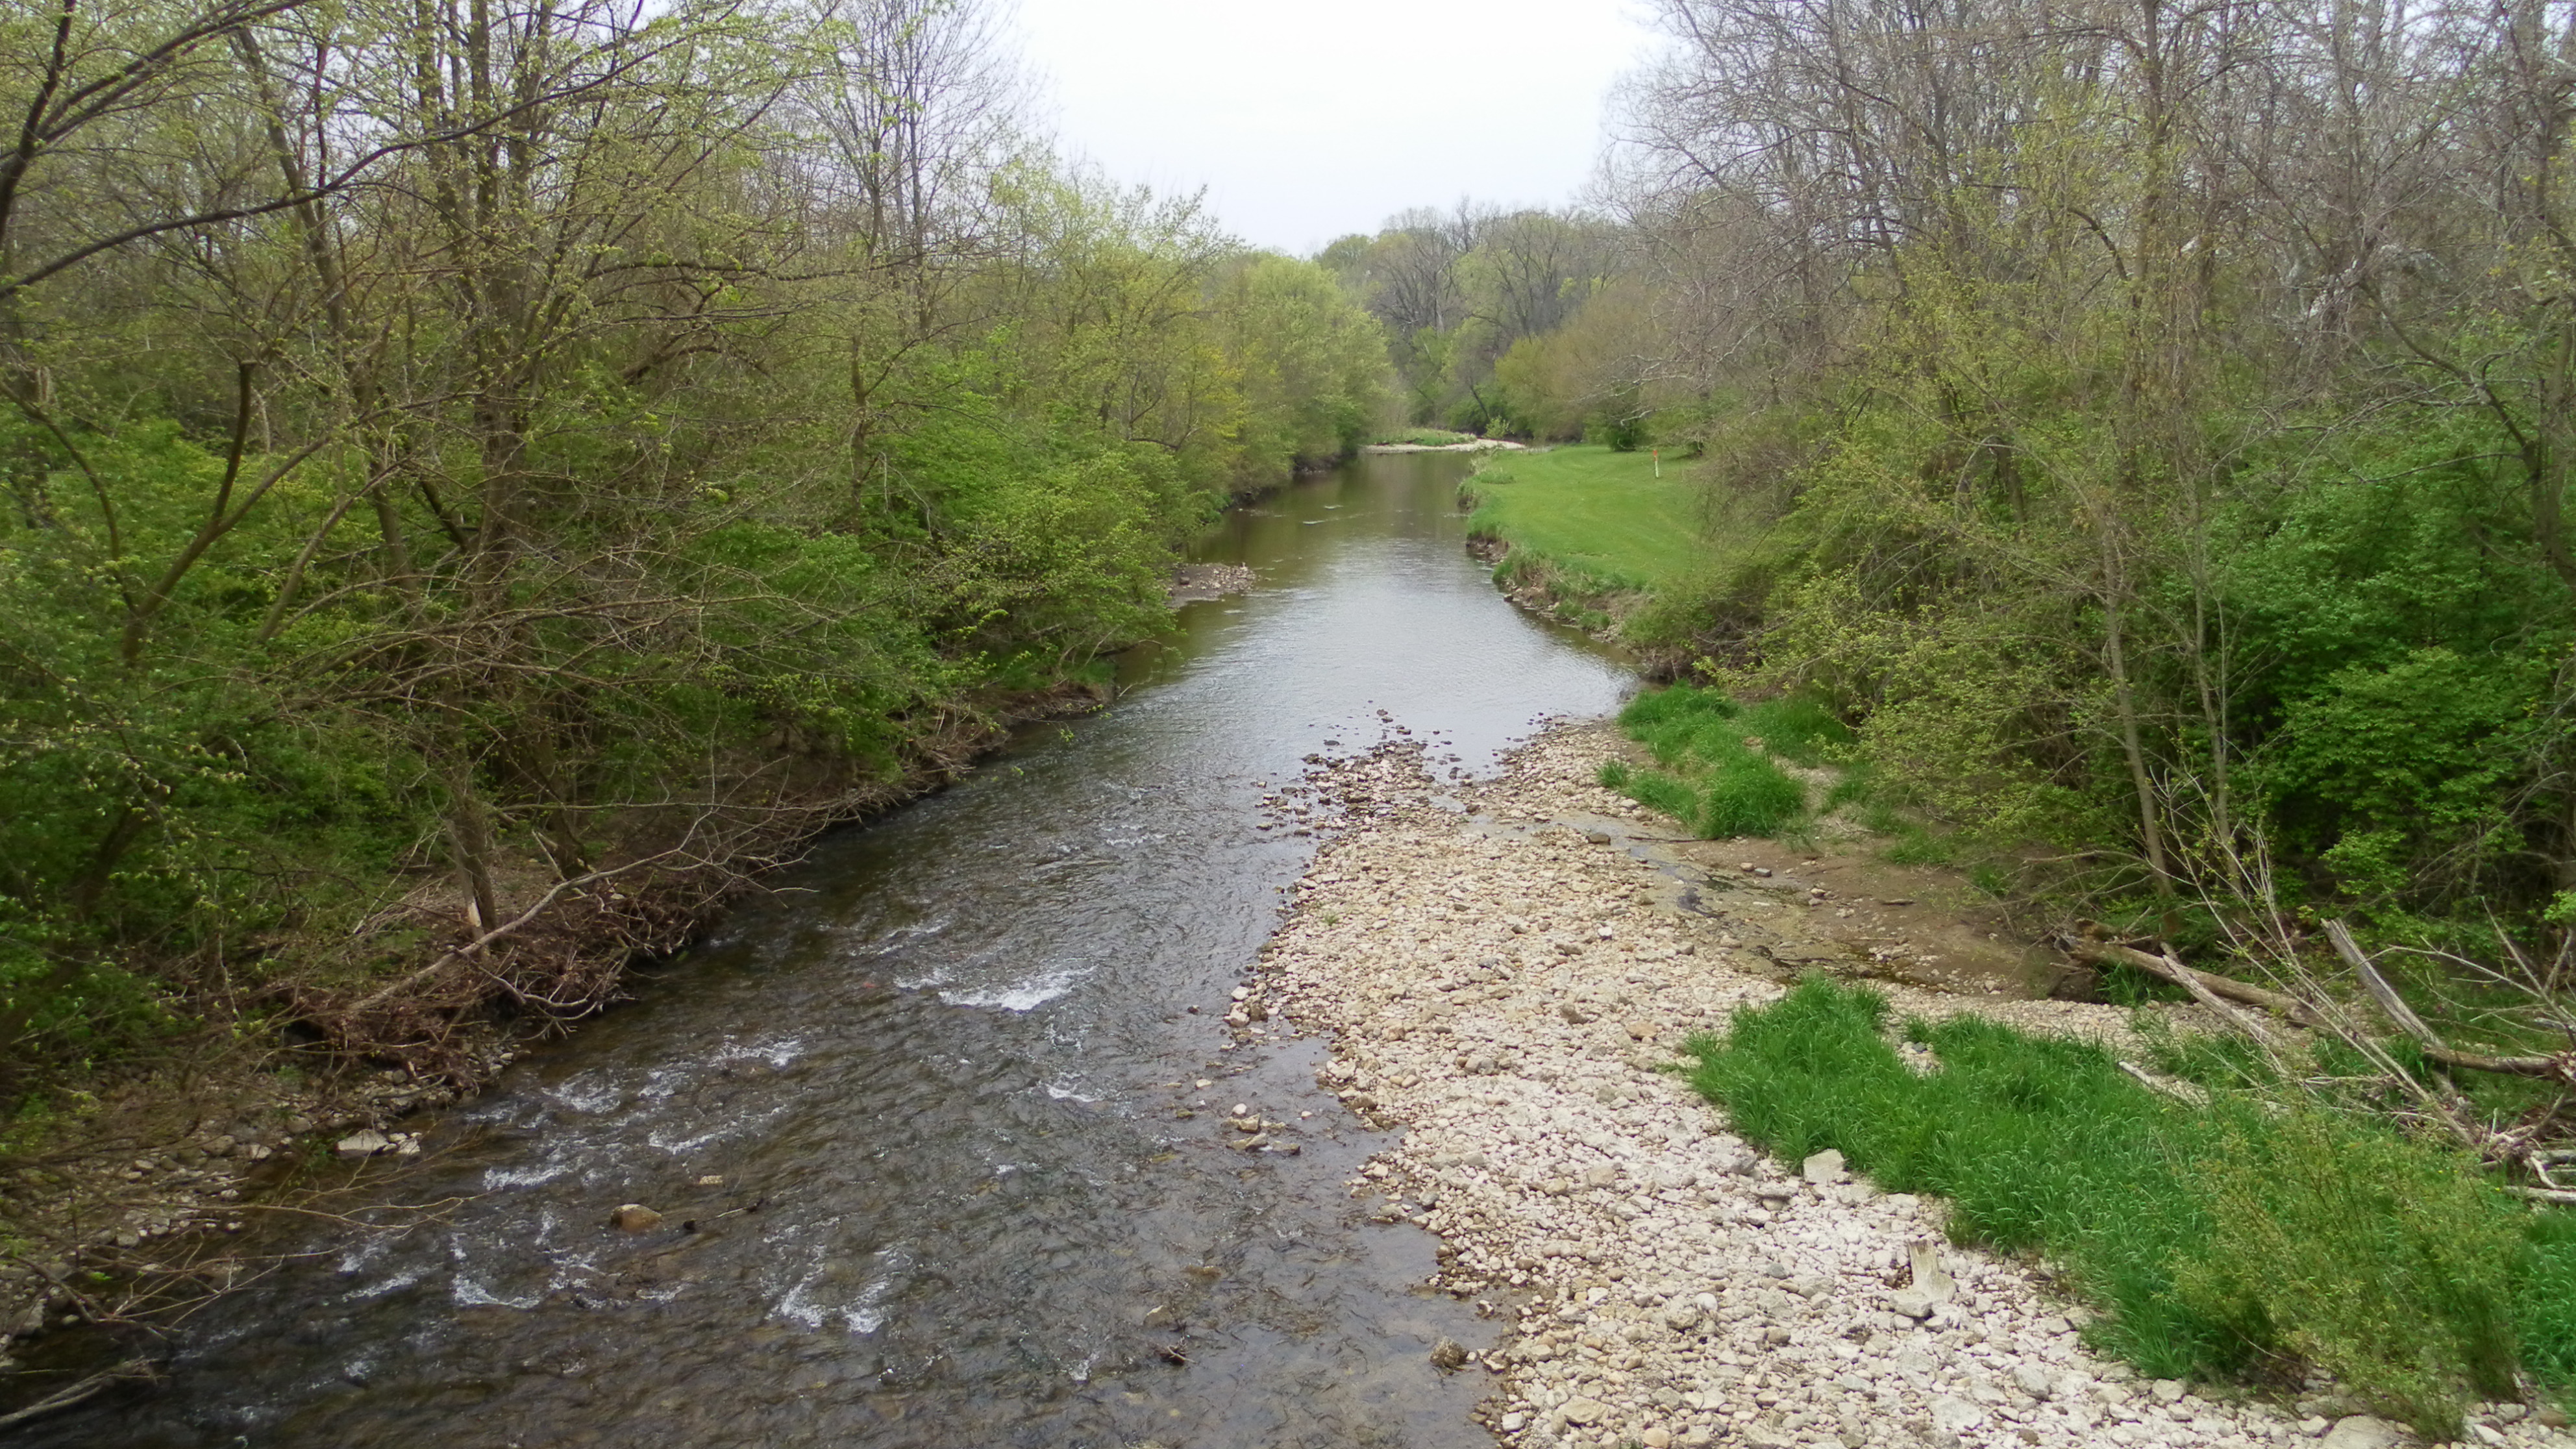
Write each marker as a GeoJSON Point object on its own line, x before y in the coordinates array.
{"type": "Point", "coordinates": [2400, 776]}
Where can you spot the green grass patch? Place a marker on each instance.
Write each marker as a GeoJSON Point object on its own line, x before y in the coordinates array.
{"type": "Point", "coordinates": [2544, 1307]}
{"type": "Point", "coordinates": [1599, 516]}
{"type": "Point", "coordinates": [1712, 780]}
{"type": "Point", "coordinates": [1798, 729]}
{"type": "Point", "coordinates": [2223, 1242]}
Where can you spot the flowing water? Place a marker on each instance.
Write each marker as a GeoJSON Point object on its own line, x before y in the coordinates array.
{"type": "Point", "coordinates": [941, 1076]}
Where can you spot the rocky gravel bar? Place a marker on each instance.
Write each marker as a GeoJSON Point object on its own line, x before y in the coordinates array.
{"type": "Point", "coordinates": [1507, 971]}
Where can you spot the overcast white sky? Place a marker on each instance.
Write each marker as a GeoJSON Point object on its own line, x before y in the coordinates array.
{"type": "Point", "coordinates": [1309, 119]}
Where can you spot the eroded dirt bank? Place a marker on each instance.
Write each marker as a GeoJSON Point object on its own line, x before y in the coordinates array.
{"type": "Point", "coordinates": [1509, 981]}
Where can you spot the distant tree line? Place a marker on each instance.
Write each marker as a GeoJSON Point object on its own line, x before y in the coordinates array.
{"type": "Point", "coordinates": [1497, 321]}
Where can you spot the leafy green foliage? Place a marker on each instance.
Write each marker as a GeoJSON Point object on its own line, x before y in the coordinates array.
{"type": "Point", "coordinates": [1471, 298]}
{"type": "Point", "coordinates": [2384, 769]}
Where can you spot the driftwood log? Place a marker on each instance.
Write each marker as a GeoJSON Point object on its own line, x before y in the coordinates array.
{"type": "Point", "coordinates": [2108, 953]}
{"type": "Point", "coordinates": [86, 1389]}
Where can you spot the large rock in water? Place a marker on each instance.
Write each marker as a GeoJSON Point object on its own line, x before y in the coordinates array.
{"type": "Point", "coordinates": [634, 1217]}
{"type": "Point", "coordinates": [363, 1144]}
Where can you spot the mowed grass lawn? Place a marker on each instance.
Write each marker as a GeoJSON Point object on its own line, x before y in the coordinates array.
{"type": "Point", "coordinates": [1593, 512]}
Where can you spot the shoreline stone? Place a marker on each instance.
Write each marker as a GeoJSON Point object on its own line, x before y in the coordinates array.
{"type": "Point", "coordinates": [1513, 993]}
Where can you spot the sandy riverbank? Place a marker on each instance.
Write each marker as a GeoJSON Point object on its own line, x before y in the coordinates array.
{"type": "Point", "coordinates": [1507, 986]}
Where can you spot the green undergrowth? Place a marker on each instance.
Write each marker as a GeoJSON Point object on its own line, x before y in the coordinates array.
{"type": "Point", "coordinates": [2234, 1242]}
{"type": "Point", "coordinates": [1717, 761]}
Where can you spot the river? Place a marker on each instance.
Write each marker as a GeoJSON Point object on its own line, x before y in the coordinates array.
{"type": "Point", "coordinates": [941, 1075]}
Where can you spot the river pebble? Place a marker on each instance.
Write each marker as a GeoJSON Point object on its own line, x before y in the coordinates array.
{"type": "Point", "coordinates": [1506, 987]}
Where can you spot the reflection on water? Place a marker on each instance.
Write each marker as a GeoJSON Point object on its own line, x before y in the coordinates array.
{"type": "Point", "coordinates": [918, 1113]}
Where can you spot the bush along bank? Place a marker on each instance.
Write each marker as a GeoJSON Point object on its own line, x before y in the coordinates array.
{"type": "Point", "coordinates": [2233, 1223]}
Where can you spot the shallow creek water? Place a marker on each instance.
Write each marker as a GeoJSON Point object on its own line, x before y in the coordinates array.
{"type": "Point", "coordinates": [939, 1075]}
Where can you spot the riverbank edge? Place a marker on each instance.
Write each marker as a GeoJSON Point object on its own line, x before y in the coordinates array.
{"type": "Point", "coordinates": [1507, 976]}
{"type": "Point", "coordinates": [1541, 585]}
{"type": "Point", "coordinates": [1473, 445]}
{"type": "Point", "coordinates": [148, 1207]}
{"type": "Point", "coordinates": [119, 1208]}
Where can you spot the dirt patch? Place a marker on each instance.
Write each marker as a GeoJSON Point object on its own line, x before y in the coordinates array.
{"type": "Point", "coordinates": [1853, 914]}
{"type": "Point", "coordinates": [1843, 909]}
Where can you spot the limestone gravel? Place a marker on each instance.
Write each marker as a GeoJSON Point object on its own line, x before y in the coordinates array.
{"type": "Point", "coordinates": [1506, 987]}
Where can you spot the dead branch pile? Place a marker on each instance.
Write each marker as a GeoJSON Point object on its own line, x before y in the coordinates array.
{"type": "Point", "coordinates": [2541, 1140]}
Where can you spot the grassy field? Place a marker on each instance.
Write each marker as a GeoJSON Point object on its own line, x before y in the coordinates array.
{"type": "Point", "coordinates": [1593, 513]}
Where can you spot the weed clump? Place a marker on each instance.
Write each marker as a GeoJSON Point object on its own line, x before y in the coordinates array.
{"type": "Point", "coordinates": [2375, 1257]}
{"type": "Point", "coordinates": [1717, 775]}
{"type": "Point", "coordinates": [2544, 1303]}
{"type": "Point", "coordinates": [2219, 1241]}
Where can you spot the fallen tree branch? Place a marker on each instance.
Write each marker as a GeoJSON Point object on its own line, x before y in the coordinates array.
{"type": "Point", "coordinates": [2377, 985]}
{"type": "Point", "coordinates": [2561, 1067]}
{"type": "Point", "coordinates": [2191, 979]}
{"type": "Point", "coordinates": [471, 948]}
{"type": "Point", "coordinates": [70, 1394]}
{"type": "Point", "coordinates": [2186, 1092]}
